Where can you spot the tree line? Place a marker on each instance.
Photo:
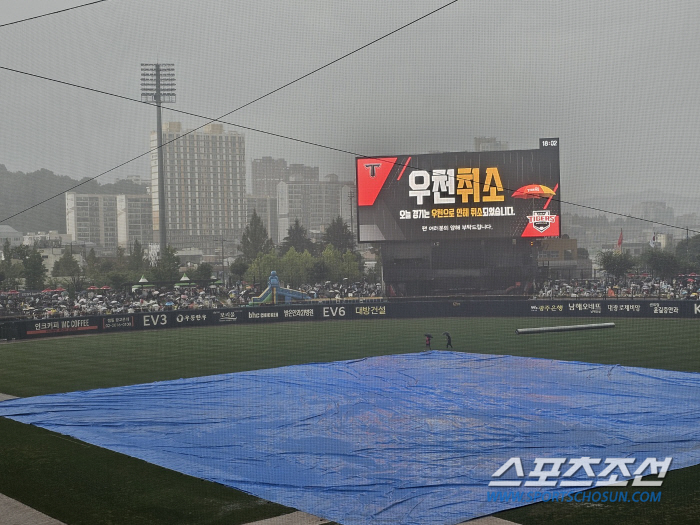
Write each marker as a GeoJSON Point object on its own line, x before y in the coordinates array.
{"type": "Point", "coordinates": [21, 262]}
{"type": "Point", "coordinates": [297, 260]}
{"type": "Point", "coordinates": [663, 264]}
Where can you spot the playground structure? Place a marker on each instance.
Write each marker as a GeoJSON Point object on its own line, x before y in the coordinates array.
{"type": "Point", "coordinates": [275, 294]}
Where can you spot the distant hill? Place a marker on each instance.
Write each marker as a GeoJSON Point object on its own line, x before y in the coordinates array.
{"type": "Point", "coordinates": [25, 191]}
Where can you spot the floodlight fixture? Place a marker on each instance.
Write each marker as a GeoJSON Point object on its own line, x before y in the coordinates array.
{"type": "Point", "coordinates": [158, 87]}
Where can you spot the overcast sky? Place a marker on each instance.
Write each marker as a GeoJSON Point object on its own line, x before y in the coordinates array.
{"type": "Point", "coordinates": [617, 82]}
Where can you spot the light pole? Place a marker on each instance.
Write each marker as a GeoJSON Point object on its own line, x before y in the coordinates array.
{"type": "Point", "coordinates": [351, 201]}
{"type": "Point", "coordinates": [223, 263]}
{"type": "Point", "coordinates": [158, 87]}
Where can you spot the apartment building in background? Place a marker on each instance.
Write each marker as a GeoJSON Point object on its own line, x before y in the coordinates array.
{"type": "Point", "coordinates": [205, 186]}
{"type": "Point", "coordinates": [265, 174]}
{"type": "Point", "coordinates": [298, 192]}
{"type": "Point", "coordinates": [134, 220]}
{"type": "Point", "coordinates": [108, 221]}
{"type": "Point", "coordinates": [92, 219]}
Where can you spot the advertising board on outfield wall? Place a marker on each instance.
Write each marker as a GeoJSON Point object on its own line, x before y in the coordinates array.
{"type": "Point", "coordinates": [464, 195]}
{"type": "Point", "coordinates": [27, 329]}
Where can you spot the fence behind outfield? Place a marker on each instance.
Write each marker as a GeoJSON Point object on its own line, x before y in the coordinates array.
{"type": "Point", "coordinates": [34, 328]}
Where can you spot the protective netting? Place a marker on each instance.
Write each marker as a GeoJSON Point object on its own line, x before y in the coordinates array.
{"type": "Point", "coordinates": [402, 439]}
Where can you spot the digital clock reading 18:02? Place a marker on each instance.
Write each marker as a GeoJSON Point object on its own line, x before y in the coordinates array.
{"type": "Point", "coordinates": [549, 143]}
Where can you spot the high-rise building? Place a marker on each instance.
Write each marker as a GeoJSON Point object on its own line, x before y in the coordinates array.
{"type": "Point", "coordinates": [92, 219]}
{"type": "Point", "coordinates": [108, 221]}
{"type": "Point", "coordinates": [315, 203]}
{"type": "Point", "coordinates": [265, 174]}
{"type": "Point", "coordinates": [298, 192]}
{"type": "Point", "coordinates": [205, 185]}
{"type": "Point", "coordinates": [134, 220]}
{"type": "Point", "coordinates": [301, 173]}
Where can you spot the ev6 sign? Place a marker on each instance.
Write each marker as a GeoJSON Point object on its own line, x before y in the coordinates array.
{"type": "Point", "coordinates": [333, 311]}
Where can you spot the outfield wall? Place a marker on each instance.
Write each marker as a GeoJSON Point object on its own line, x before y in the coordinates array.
{"type": "Point", "coordinates": [27, 329]}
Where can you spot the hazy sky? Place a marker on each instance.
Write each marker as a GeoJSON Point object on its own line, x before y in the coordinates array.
{"type": "Point", "coordinates": [617, 82]}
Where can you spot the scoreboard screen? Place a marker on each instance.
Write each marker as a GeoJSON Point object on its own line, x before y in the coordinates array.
{"type": "Point", "coordinates": [464, 195]}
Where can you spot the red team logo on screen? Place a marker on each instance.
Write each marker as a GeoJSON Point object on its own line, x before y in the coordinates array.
{"type": "Point", "coordinates": [371, 176]}
{"type": "Point", "coordinates": [540, 222]}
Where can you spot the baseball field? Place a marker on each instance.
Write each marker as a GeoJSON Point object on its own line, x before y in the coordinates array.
{"type": "Point", "coordinates": [79, 483]}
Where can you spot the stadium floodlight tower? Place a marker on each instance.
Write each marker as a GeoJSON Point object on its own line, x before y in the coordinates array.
{"type": "Point", "coordinates": [158, 87]}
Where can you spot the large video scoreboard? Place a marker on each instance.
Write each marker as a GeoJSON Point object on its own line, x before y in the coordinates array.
{"type": "Point", "coordinates": [464, 195]}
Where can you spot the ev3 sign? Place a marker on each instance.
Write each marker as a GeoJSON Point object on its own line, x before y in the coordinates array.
{"type": "Point", "coordinates": [150, 320]}
{"type": "Point", "coordinates": [548, 472]}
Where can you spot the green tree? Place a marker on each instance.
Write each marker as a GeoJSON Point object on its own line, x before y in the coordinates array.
{"type": "Point", "coordinates": [6, 254]}
{"type": "Point", "coordinates": [297, 238]}
{"type": "Point", "coordinates": [374, 273]}
{"type": "Point", "coordinates": [118, 279]}
{"type": "Point", "coordinates": [121, 258]}
{"type": "Point", "coordinates": [319, 270]}
{"type": "Point", "coordinates": [351, 266]}
{"type": "Point", "coordinates": [137, 261]}
{"type": "Point", "coordinates": [661, 263]}
{"type": "Point", "coordinates": [53, 282]}
{"type": "Point", "coordinates": [688, 252]}
{"type": "Point", "coordinates": [21, 252]}
{"type": "Point", "coordinates": [238, 268]}
{"type": "Point", "coordinates": [259, 270]}
{"type": "Point", "coordinates": [167, 269]}
{"type": "Point", "coordinates": [296, 267]}
{"type": "Point", "coordinates": [203, 273]}
{"type": "Point", "coordinates": [255, 240]}
{"type": "Point", "coordinates": [91, 259]}
{"type": "Point", "coordinates": [340, 266]}
{"type": "Point", "coordinates": [615, 263]}
{"type": "Point", "coordinates": [68, 266]}
{"type": "Point", "coordinates": [34, 271]}
{"type": "Point", "coordinates": [333, 262]}
{"type": "Point", "coordinates": [13, 274]}
{"type": "Point", "coordinates": [92, 269]}
{"type": "Point", "coordinates": [339, 235]}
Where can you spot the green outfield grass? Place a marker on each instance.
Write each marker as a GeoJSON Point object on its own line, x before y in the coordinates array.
{"type": "Point", "coordinates": [83, 484]}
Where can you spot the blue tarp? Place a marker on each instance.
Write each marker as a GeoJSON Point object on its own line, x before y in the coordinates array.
{"type": "Point", "coordinates": [403, 439]}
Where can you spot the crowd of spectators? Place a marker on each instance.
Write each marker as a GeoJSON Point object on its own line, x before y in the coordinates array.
{"type": "Point", "coordinates": [341, 290]}
{"type": "Point", "coordinates": [105, 301]}
{"type": "Point", "coordinates": [683, 287]}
